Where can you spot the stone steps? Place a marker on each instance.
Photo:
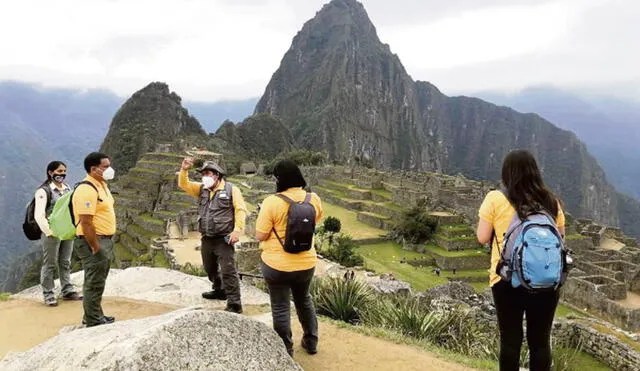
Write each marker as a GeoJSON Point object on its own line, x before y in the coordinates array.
{"type": "Point", "coordinates": [155, 226]}
{"type": "Point", "coordinates": [375, 220]}
{"type": "Point", "coordinates": [176, 207]}
{"type": "Point", "coordinates": [162, 167]}
{"type": "Point", "coordinates": [455, 231]}
{"type": "Point", "coordinates": [445, 218]}
{"type": "Point", "coordinates": [457, 243]}
{"type": "Point", "coordinates": [132, 244]}
{"type": "Point", "coordinates": [163, 157]}
{"type": "Point", "coordinates": [141, 235]}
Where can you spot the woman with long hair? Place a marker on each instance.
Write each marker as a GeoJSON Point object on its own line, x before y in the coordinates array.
{"type": "Point", "coordinates": [524, 192]}
{"type": "Point", "coordinates": [286, 272]}
{"type": "Point", "coordinates": [55, 253]}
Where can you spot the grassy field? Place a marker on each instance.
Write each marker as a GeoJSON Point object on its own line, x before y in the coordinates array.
{"type": "Point", "coordinates": [442, 252]}
{"type": "Point", "coordinates": [350, 223]}
{"type": "Point", "coordinates": [385, 258]}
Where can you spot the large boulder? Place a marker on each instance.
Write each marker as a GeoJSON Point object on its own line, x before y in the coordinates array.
{"type": "Point", "coordinates": [159, 285]}
{"type": "Point", "coordinates": [187, 339]}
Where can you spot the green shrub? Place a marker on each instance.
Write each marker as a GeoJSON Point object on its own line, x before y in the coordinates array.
{"type": "Point", "coordinates": [343, 251]}
{"type": "Point", "coordinates": [416, 226]}
{"type": "Point", "coordinates": [341, 299]}
{"type": "Point", "coordinates": [332, 225]}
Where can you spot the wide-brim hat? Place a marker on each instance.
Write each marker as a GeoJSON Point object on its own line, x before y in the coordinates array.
{"type": "Point", "coordinates": [210, 165]}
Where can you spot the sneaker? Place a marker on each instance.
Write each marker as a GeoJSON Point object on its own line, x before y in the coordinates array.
{"type": "Point", "coordinates": [72, 296]}
{"type": "Point", "coordinates": [215, 295]}
{"type": "Point", "coordinates": [103, 321]}
{"type": "Point", "coordinates": [308, 348]}
{"type": "Point", "coordinates": [234, 308]}
{"type": "Point", "coordinates": [51, 302]}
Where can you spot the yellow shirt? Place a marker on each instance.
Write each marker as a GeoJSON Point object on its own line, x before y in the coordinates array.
{"type": "Point", "coordinates": [85, 202]}
{"type": "Point", "coordinates": [239, 207]}
{"type": "Point", "coordinates": [273, 214]}
{"type": "Point", "coordinates": [498, 211]}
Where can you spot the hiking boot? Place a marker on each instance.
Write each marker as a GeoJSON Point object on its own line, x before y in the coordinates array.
{"type": "Point", "coordinates": [234, 308]}
{"type": "Point", "coordinates": [72, 296]}
{"type": "Point", "coordinates": [51, 302]}
{"type": "Point", "coordinates": [105, 319]}
{"type": "Point", "coordinates": [310, 349]}
{"type": "Point", "coordinates": [215, 295]}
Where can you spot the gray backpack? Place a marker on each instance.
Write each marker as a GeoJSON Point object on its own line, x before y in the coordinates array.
{"type": "Point", "coordinates": [301, 225]}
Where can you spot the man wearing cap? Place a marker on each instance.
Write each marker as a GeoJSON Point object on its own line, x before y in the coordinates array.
{"type": "Point", "coordinates": [221, 220]}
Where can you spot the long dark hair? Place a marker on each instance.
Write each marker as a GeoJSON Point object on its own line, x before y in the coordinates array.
{"type": "Point", "coordinates": [524, 186]}
{"type": "Point", "coordinates": [53, 165]}
{"type": "Point", "coordinates": [288, 175]}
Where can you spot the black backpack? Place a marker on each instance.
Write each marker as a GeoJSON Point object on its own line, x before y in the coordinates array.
{"type": "Point", "coordinates": [301, 224]}
{"type": "Point", "coordinates": [30, 227]}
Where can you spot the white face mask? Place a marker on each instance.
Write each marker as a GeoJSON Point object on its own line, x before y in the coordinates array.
{"type": "Point", "coordinates": [108, 174]}
{"type": "Point", "coordinates": [208, 181]}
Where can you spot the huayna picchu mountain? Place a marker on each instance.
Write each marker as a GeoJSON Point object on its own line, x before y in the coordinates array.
{"type": "Point", "coordinates": [339, 89]}
{"type": "Point", "coordinates": [152, 115]}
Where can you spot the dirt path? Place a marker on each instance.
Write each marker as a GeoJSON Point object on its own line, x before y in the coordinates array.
{"type": "Point", "coordinates": [341, 349]}
{"type": "Point", "coordinates": [632, 301]}
{"type": "Point", "coordinates": [26, 323]}
{"type": "Point", "coordinates": [185, 249]}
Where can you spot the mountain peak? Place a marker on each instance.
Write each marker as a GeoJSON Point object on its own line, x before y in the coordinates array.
{"type": "Point", "coordinates": [152, 115]}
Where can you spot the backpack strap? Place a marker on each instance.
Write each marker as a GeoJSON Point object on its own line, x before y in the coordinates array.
{"type": "Point", "coordinates": [92, 186]}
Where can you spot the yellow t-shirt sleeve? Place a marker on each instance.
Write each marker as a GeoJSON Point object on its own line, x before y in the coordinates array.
{"type": "Point", "coordinates": [192, 188]}
{"type": "Point", "coordinates": [264, 223]}
{"type": "Point", "coordinates": [317, 204]}
{"type": "Point", "coordinates": [560, 220]}
{"type": "Point", "coordinates": [85, 200]}
{"type": "Point", "coordinates": [240, 208]}
{"type": "Point", "coordinates": [487, 209]}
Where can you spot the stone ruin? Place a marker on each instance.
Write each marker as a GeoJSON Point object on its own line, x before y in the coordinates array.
{"type": "Point", "coordinates": [606, 277]}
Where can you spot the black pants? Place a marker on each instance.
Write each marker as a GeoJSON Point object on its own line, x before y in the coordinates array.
{"type": "Point", "coordinates": [511, 303]}
{"type": "Point", "coordinates": [219, 257]}
{"type": "Point", "coordinates": [298, 282]}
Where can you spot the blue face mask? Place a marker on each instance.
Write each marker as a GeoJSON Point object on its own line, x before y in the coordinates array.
{"type": "Point", "coordinates": [59, 178]}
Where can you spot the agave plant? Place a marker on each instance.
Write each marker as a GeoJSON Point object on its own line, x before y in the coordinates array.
{"type": "Point", "coordinates": [341, 299]}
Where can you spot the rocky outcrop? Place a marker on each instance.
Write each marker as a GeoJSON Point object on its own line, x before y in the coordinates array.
{"type": "Point", "coordinates": [193, 339]}
{"type": "Point", "coordinates": [152, 115]}
{"type": "Point", "coordinates": [339, 89]}
{"type": "Point", "coordinates": [157, 285]}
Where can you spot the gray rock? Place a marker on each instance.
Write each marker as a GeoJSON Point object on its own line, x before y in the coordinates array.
{"type": "Point", "coordinates": [158, 285]}
{"type": "Point", "coordinates": [388, 286]}
{"type": "Point", "coordinates": [192, 338]}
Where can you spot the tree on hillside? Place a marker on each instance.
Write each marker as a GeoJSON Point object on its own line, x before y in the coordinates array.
{"type": "Point", "coordinates": [416, 226]}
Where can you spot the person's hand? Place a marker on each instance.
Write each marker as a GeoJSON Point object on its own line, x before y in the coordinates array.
{"type": "Point", "coordinates": [187, 163]}
{"type": "Point", "coordinates": [95, 250]}
{"type": "Point", "coordinates": [234, 237]}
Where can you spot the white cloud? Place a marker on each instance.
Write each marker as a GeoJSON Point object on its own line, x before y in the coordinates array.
{"type": "Point", "coordinates": [224, 49]}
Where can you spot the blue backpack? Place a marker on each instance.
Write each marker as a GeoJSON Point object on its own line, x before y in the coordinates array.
{"type": "Point", "coordinates": [533, 254]}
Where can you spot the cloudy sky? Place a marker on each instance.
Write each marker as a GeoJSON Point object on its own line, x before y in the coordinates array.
{"type": "Point", "coordinates": [228, 49]}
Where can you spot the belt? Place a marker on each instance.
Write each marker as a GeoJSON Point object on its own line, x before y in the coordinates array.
{"type": "Point", "coordinates": [99, 236]}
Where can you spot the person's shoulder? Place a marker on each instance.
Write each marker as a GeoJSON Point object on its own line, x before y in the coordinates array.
{"type": "Point", "coordinates": [315, 197]}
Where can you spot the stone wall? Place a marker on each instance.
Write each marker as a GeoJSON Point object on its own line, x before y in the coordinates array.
{"type": "Point", "coordinates": [606, 348]}
{"type": "Point", "coordinates": [597, 294]}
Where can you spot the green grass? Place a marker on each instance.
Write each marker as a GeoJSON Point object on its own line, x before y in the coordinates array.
{"type": "Point", "coordinates": [160, 260]}
{"type": "Point", "coordinates": [150, 219]}
{"type": "Point", "coordinates": [457, 227]}
{"type": "Point", "coordinates": [623, 338]}
{"type": "Point", "coordinates": [160, 163]}
{"type": "Point", "coordinates": [4, 296]}
{"type": "Point", "coordinates": [385, 258]}
{"type": "Point", "coordinates": [122, 253]}
{"type": "Point", "coordinates": [585, 362]}
{"type": "Point", "coordinates": [452, 254]}
{"type": "Point", "coordinates": [382, 193]}
{"type": "Point", "coordinates": [350, 223]}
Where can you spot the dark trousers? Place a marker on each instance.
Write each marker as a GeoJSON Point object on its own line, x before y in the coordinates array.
{"type": "Point", "coordinates": [96, 269]}
{"type": "Point", "coordinates": [280, 284]}
{"type": "Point", "coordinates": [539, 308]}
{"type": "Point", "coordinates": [218, 258]}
